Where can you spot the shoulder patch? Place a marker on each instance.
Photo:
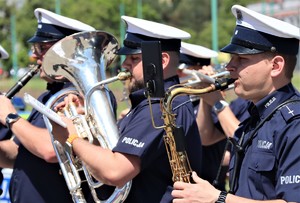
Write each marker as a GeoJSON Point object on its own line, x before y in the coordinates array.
{"type": "Point", "coordinates": [290, 110]}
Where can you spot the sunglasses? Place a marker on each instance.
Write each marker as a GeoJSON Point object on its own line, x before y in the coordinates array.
{"type": "Point", "coordinates": [40, 49]}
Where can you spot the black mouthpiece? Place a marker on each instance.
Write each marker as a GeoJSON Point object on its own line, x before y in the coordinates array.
{"type": "Point", "coordinates": [223, 83]}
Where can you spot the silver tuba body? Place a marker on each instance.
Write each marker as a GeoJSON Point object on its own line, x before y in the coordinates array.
{"type": "Point", "coordinates": [82, 59]}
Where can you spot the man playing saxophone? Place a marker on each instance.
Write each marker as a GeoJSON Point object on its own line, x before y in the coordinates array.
{"type": "Point", "coordinates": [264, 165]}
{"type": "Point", "coordinates": [140, 154]}
{"type": "Point", "coordinates": [35, 167]}
{"type": "Point", "coordinates": [212, 113]}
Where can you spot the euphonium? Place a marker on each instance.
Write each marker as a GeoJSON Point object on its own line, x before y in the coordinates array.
{"type": "Point", "coordinates": [173, 138]}
{"type": "Point", "coordinates": [82, 59]}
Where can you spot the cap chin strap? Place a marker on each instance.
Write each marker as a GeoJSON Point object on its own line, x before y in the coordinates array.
{"type": "Point", "coordinates": [49, 35]}
{"type": "Point", "coordinates": [132, 44]}
{"type": "Point", "coordinates": [252, 45]}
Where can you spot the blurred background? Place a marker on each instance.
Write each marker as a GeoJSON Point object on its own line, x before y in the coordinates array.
{"type": "Point", "coordinates": [210, 22]}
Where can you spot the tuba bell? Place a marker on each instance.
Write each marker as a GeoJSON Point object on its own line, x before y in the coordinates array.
{"type": "Point", "coordinates": [82, 59]}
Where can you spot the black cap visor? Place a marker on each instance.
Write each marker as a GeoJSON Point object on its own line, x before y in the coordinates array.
{"type": "Point", "coordinates": [133, 42]}
{"type": "Point", "coordinates": [193, 61]}
{"type": "Point", "coordinates": [128, 51]}
{"type": "Point", "coordinates": [37, 39]}
{"type": "Point", "coordinates": [248, 41]}
{"type": "Point", "coordinates": [237, 49]}
{"type": "Point", "coordinates": [50, 33]}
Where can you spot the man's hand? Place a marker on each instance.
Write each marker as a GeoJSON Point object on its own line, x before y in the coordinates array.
{"type": "Point", "coordinates": [6, 108]}
{"type": "Point", "coordinates": [200, 191]}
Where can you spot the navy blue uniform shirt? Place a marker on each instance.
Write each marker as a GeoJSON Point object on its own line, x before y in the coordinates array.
{"type": "Point", "coordinates": [33, 179]}
{"type": "Point", "coordinates": [271, 163]}
{"type": "Point", "coordinates": [4, 135]}
{"type": "Point", "coordinates": [138, 137]}
{"type": "Point", "coordinates": [212, 154]}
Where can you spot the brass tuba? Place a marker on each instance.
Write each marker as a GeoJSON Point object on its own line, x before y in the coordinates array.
{"type": "Point", "coordinates": [82, 59]}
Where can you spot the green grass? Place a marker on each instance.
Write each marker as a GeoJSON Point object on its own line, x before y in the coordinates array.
{"type": "Point", "coordinates": [36, 87]}
{"type": "Point", "coordinates": [296, 80]}
{"type": "Point", "coordinates": [118, 89]}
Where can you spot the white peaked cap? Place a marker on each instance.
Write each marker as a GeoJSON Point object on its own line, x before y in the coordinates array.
{"type": "Point", "coordinates": [140, 30]}
{"type": "Point", "coordinates": [255, 33]}
{"type": "Point", "coordinates": [154, 29]}
{"type": "Point", "coordinates": [197, 51]}
{"type": "Point", "coordinates": [3, 53]}
{"type": "Point", "coordinates": [49, 17]}
{"type": "Point", "coordinates": [263, 23]}
{"type": "Point", "coordinates": [53, 27]}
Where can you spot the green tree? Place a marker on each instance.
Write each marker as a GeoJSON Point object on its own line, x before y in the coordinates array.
{"type": "Point", "coordinates": [226, 24]}
{"type": "Point", "coordinates": [5, 12]}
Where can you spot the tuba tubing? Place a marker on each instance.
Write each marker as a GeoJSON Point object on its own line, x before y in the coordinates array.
{"type": "Point", "coordinates": [68, 168]}
{"type": "Point", "coordinates": [82, 59]}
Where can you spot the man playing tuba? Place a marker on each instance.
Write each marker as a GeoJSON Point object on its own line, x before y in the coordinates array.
{"type": "Point", "coordinates": [36, 175]}
{"type": "Point", "coordinates": [140, 154]}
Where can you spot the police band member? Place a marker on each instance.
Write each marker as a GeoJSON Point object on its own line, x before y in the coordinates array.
{"type": "Point", "coordinates": [198, 58]}
{"type": "Point", "coordinates": [140, 154]}
{"type": "Point", "coordinates": [36, 175]}
{"type": "Point", "coordinates": [265, 160]}
{"type": "Point", "coordinates": [5, 161]}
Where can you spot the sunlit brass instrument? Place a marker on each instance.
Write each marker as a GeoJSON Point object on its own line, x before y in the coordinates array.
{"type": "Point", "coordinates": [177, 155]}
{"type": "Point", "coordinates": [82, 59]}
{"type": "Point", "coordinates": [33, 69]}
{"type": "Point", "coordinates": [195, 78]}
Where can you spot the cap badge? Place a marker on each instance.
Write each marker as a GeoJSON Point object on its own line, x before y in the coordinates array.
{"type": "Point", "coordinates": [39, 17]}
{"type": "Point", "coordinates": [273, 49]}
{"type": "Point", "coordinates": [239, 16]}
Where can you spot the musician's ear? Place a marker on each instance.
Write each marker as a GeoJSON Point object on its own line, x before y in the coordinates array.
{"type": "Point", "coordinates": [277, 63]}
{"type": "Point", "coordinates": [165, 59]}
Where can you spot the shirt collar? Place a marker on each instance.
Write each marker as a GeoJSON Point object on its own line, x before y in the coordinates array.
{"type": "Point", "coordinates": [57, 86]}
{"type": "Point", "coordinates": [265, 106]}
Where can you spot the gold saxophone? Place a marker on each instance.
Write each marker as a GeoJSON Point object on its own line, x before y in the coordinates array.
{"type": "Point", "coordinates": [179, 162]}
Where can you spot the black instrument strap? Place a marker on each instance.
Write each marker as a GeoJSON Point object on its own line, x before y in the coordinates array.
{"type": "Point", "coordinates": [239, 150]}
{"type": "Point", "coordinates": [217, 179]}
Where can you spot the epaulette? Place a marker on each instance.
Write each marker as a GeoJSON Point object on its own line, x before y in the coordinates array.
{"type": "Point", "coordinates": [290, 110]}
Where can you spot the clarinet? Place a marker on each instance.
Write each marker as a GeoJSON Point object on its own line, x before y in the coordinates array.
{"type": "Point", "coordinates": [22, 81]}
